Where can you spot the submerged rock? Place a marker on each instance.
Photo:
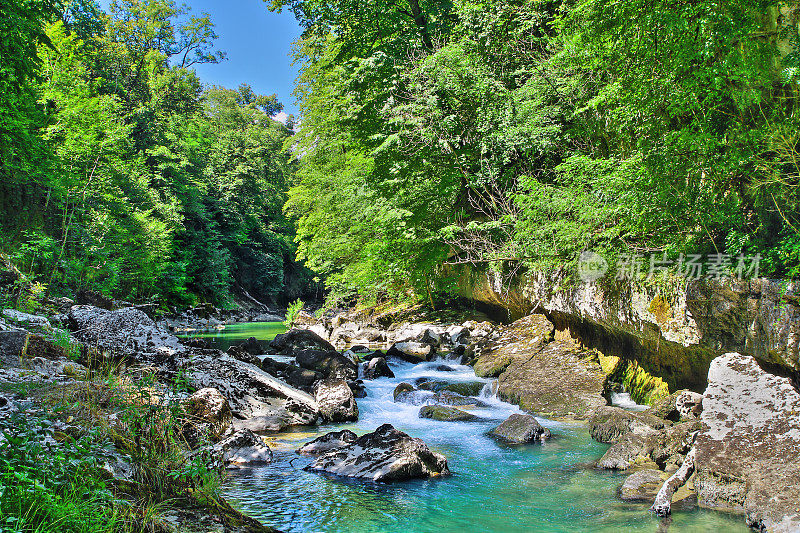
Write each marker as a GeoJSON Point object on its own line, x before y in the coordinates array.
{"type": "Point", "coordinates": [748, 453]}
{"type": "Point", "coordinates": [300, 339]}
{"type": "Point", "coordinates": [250, 391]}
{"type": "Point", "coordinates": [521, 429]}
{"type": "Point", "coordinates": [642, 485]}
{"type": "Point", "coordinates": [328, 442]}
{"type": "Point", "coordinates": [383, 455]}
{"type": "Point", "coordinates": [413, 352]}
{"type": "Point", "coordinates": [443, 413]}
{"type": "Point", "coordinates": [336, 401]}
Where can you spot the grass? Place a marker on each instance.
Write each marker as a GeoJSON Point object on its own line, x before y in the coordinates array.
{"type": "Point", "coordinates": [52, 480]}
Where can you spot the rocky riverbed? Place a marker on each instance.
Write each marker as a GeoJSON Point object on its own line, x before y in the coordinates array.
{"type": "Point", "coordinates": [473, 382]}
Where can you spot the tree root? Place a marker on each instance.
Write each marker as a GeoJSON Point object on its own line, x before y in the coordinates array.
{"type": "Point", "coordinates": [663, 502]}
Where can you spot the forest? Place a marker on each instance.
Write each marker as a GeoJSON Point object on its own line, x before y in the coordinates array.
{"type": "Point", "coordinates": [503, 135]}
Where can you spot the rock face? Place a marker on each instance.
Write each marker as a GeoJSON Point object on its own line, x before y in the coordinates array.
{"type": "Point", "coordinates": [383, 455]}
{"type": "Point", "coordinates": [444, 413]}
{"type": "Point", "coordinates": [250, 391]}
{"type": "Point", "coordinates": [300, 339]}
{"type": "Point", "coordinates": [748, 453]}
{"type": "Point", "coordinates": [520, 429]}
{"type": "Point", "coordinates": [335, 400]}
{"type": "Point", "coordinates": [125, 332]}
{"type": "Point", "coordinates": [209, 416]}
{"type": "Point", "coordinates": [328, 442]}
{"type": "Point", "coordinates": [332, 365]}
{"type": "Point", "coordinates": [674, 338]}
{"type": "Point", "coordinates": [520, 340]}
{"type": "Point", "coordinates": [559, 381]}
{"type": "Point", "coordinates": [413, 352]}
{"type": "Point", "coordinates": [242, 449]}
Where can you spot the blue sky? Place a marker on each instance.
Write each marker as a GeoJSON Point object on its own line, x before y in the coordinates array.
{"type": "Point", "coordinates": [258, 44]}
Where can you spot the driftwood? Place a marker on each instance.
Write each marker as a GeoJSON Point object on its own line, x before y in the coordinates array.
{"type": "Point", "coordinates": [663, 503]}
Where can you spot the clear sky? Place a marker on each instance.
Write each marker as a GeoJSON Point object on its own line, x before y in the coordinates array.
{"type": "Point", "coordinates": [258, 44]}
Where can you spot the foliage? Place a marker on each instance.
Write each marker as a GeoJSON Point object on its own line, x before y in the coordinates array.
{"type": "Point", "coordinates": [292, 313]}
{"type": "Point", "coordinates": [146, 184]}
{"type": "Point", "coordinates": [524, 133]}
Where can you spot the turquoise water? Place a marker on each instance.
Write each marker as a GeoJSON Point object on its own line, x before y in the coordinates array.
{"type": "Point", "coordinates": [237, 333]}
{"type": "Point", "coordinates": [493, 488]}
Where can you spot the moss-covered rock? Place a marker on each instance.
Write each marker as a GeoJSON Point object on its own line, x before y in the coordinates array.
{"type": "Point", "coordinates": [444, 413]}
{"type": "Point", "coordinates": [519, 340]}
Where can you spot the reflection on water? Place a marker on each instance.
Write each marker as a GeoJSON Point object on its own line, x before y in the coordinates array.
{"type": "Point", "coordinates": [494, 488]}
{"type": "Point", "coordinates": [236, 333]}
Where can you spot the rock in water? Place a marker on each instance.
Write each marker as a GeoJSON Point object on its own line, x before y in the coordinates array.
{"type": "Point", "coordinates": [328, 442]}
{"type": "Point", "coordinates": [748, 453]}
{"type": "Point", "coordinates": [642, 485]}
{"type": "Point", "coordinates": [446, 414]}
{"type": "Point", "coordinates": [383, 455]}
{"type": "Point", "coordinates": [413, 352]}
{"type": "Point", "coordinates": [251, 392]}
{"type": "Point", "coordinates": [377, 367]}
{"type": "Point", "coordinates": [300, 339]}
{"type": "Point", "coordinates": [521, 429]}
{"type": "Point", "coordinates": [242, 449]}
{"type": "Point", "coordinates": [561, 380]}
{"type": "Point", "coordinates": [609, 424]}
{"type": "Point", "coordinates": [332, 365]}
{"type": "Point", "coordinates": [336, 401]}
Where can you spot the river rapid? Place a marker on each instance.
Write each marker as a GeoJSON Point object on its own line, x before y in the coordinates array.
{"type": "Point", "coordinates": [493, 487]}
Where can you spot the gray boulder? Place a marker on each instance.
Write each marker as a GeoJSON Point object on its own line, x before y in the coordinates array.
{"type": "Point", "coordinates": [336, 401]}
{"type": "Point", "coordinates": [748, 452]}
{"type": "Point", "coordinates": [209, 417]}
{"type": "Point", "coordinates": [328, 442]}
{"type": "Point", "coordinates": [125, 332]}
{"type": "Point", "coordinates": [609, 424]}
{"type": "Point", "coordinates": [383, 455]}
{"type": "Point", "coordinates": [521, 429]}
{"type": "Point", "coordinates": [300, 339]}
{"type": "Point", "coordinates": [332, 365]}
{"type": "Point", "coordinates": [377, 368]}
{"type": "Point", "coordinates": [241, 450]}
{"type": "Point", "coordinates": [250, 391]}
{"type": "Point", "coordinates": [413, 352]}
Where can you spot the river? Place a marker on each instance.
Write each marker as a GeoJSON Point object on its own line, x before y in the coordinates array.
{"type": "Point", "coordinates": [494, 488]}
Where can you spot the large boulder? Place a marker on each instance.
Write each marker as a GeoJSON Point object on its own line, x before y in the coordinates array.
{"type": "Point", "coordinates": [26, 320]}
{"type": "Point", "coordinates": [383, 455]}
{"type": "Point", "coordinates": [251, 392]}
{"type": "Point", "coordinates": [521, 429]}
{"type": "Point", "coordinates": [413, 352]}
{"type": "Point", "coordinates": [300, 378]}
{"type": "Point", "coordinates": [300, 339]}
{"type": "Point", "coordinates": [748, 453]}
{"type": "Point", "coordinates": [209, 417]}
{"type": "Point", "coordinates": [464, 388]}
{"type": "Point", "coordinates": [377, 367]}
{"type": "Point", "coordinates": [562, 380]}
{"type": "Point", "coordinates": [241, 450]}
{"type": "Point", "coordinates": [328, 442]}
{"type": "Point", "coordinates": [336, 401]}
{"type": "Point", "coordinates": [443, 413]}
{"type": "Point", "coordinates": [646, 445]}
{"type": "Point", "coordinates": [609, 424]}
{"type": "Point", "coordinates": [518, 341]}
{"type": "Point", "coordinates": [125, 332]}
{"type": "Point", "coordinates": [332, 364]}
